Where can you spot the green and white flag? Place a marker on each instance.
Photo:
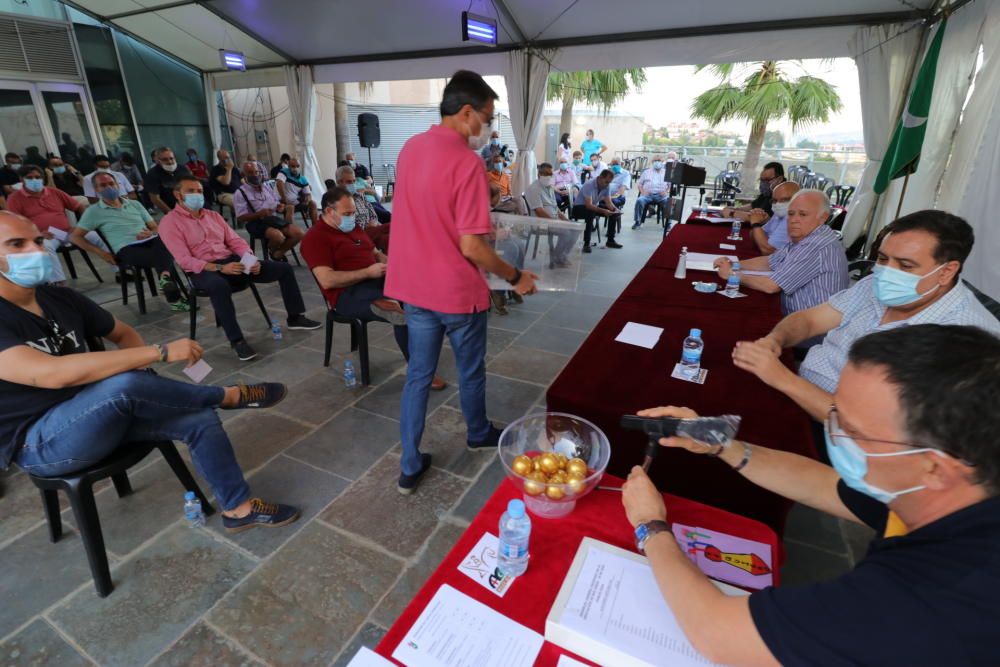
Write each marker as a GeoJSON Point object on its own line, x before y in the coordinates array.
{"type": "Point", "coordinates": [903, 154]}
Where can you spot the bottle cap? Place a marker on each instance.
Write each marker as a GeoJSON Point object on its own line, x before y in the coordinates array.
{"type": "Point", "coordinates": [684, 249]}
{"type": "Point", "coordinates": [695, 333]}
{"type": "Point", "coordinates": [189, 495]}
{"type": "Point", "coordinates": [515, 508]}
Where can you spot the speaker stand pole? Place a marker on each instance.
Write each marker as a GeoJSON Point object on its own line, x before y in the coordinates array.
{"type": "Point", "coordinates": [371, 171]}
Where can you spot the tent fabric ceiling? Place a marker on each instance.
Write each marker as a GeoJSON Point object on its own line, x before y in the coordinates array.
{"type": "Point", "coordinates": [332, 33]}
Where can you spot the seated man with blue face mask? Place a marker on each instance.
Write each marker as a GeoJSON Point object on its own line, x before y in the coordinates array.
{"type": "Point", "coordinates": [912, 432]}
{"type": "Point", "coordinates": [916, 281]}
{"type": "Point", "coordinates": [770, 231]}
{"type": "Point", "coordinates": [350, 270]}
{"type": "Point", "coordinates": [206, 247]}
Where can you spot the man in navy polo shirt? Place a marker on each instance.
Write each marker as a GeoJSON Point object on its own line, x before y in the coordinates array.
{"type": "Point", "coordinates": [912, 436]}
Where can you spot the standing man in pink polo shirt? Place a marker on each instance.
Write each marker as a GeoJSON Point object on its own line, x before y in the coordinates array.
{"type": "Point", "coordinates": [439, 252]}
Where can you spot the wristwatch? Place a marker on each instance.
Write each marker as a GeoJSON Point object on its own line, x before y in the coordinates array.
{"type": "Point", "coordinates": [517, 276]}
{"type": "Point", "coordinates": [755, 225]}
{"type": "Point", "coordinates": [644, 531]}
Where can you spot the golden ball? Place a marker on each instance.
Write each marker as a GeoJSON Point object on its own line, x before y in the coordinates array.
{"type": "Point", "coordinates": [558, 478]}
{"type": "Point", "coordinates": [521, 465]}
{"type": "Point", "coordinates": [562, 461]}
{"type": "Point", "coordinates": [532, 487]}
{"type": "Point", "coordinates": [575, 487]}
{"type": "Point", "coordinates": [549, 463]}
{"type": "Point", "coordinates": [578, 466]}
{"type": "Point", "coordinates": [554, 492]}
{"type": "Point", "coordinates": [536, 463]}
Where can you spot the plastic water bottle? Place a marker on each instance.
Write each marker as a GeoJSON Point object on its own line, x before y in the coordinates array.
{"type": "Point", "coordinates": [276, 329]}
{"type": "Point", "coordinates": [681, 270]}
{"type": "Point", "coordinates": [192, 510]}
{"type": "Point", "coordinates": [704, 208]}
{"type": "Point", "coordinates": [733, 281]}
{"type": "Point", "coordinates": [515, 529]}
{"type": "Point", "coordinates": [735, 234]}
{"type": "Point", "coordinates": [691, 354]}
{"type": "Point", "coordinates": [350, 380]}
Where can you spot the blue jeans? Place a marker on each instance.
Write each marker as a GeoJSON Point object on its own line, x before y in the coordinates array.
{"type": "Point", "coordinates": [643, 201]}
{"type": "Point", "coordinates": [467, 335]}
{"type": "Point", "coordinates": [131, 407]}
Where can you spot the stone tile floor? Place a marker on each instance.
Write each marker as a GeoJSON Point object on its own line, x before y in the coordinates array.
{"type": "Point", "coordinates": [311, 593]}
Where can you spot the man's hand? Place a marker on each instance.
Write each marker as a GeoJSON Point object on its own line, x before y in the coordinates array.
{"type": "Point", "coordinates": [690, 445]}
{"type": "Point", "coordinates": [232, 268]}
{"type": "Point", "coordinates": [281, 208]}
{"type": "Point", "coordinates": [526, 285]}
{"type": "Point", "coordinates": [724, 266]}
{"type": "Point", "coordinates": [376, 270]}
{"type": "Point", "coordinates": [758, 215]}
{"type": "Point", "coordinates": [642, 501]}
{"type": "Point", "coordinates": [759, 359]}
{"type": "Point", "coordinates": [771, 344]}
{"type": "Point", "coordinates": [144, 234]}
{"type": "Point", "coordinates": [255, 269]}
{"type": "Point", "coordinates": [47, 234]}
{"type": "Point", "coordinates": [184, 349]}
{"type": "Point", "coordinates": [266, 212]}
{"type": "Point", "coordinates": [381, 256]}
{"type": "Point", "coordinates": [109, 258]}
{"type": "Point", "coordinates": [727, 212]}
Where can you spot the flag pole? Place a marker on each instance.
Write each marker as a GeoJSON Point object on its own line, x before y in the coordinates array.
{"type": "Point", "coordinates": [899, 207]}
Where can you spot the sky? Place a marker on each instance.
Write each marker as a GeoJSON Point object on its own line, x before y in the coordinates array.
{"type": "Point", "coordinates": [669, 92]}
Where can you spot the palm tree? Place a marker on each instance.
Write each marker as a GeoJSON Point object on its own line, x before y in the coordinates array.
{"type": "Point", "coordinates": [602, 89]}
{"type": "Point", "coordinates": [340, 128]}
{"type": "Point", "coordinates": [759, 92]}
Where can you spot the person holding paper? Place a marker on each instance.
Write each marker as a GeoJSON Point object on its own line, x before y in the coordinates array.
{"type": "Point", "coordinates": [912, 437]}
{"type": "Point", "coordinates": [439, 253]}
{"type": "Point", "coordinates": [770, 232]}
{"type": "Point", "coordinates": [216, 258]}
{"type": "Point", "coordinates": [63, 409]}
{"type": "Point", "coordinates": [131, 233]}
{"type": "Point", "coordinates": [46, 207]}
{"type": "Point", "coordinates": [807, 271]}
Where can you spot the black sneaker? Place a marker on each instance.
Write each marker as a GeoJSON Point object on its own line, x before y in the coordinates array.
{"type": "Point", "coordinates": [243, 350]}
{"type": "Point", "coordinates": [262, 395]}
{"type": "Point", "coordinates": [269, 515]}
{"type": "Point", "coordinates": [408, 483]}
{"type": "Point", "coordinates": [586, 249]}
{"type": "Point", "coordinates": [491, 441]}
{"type": "Point", "coordinates": [636, 225]}
{"type": "Point", "coordinates": [613, 244]}
{"type": "Point", "coordinates": [302, 323]}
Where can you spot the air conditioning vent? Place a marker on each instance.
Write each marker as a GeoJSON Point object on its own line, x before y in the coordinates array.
{"type": "Point", "coordinates": [37, 47]}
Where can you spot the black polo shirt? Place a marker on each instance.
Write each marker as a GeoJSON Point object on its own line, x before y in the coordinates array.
{"type": "Point", "coordinates": [763, 202]}
{"type": "Point", "coordinates": [234, 182]}
{"type": "Point", "coordinates": [931, 597]}
{"type": "Point", "coordinates": [158, 181]}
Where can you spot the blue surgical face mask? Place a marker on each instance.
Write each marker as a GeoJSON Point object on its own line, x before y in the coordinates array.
{"type": "Point", "coordinates": [616, 168]}
{"type": "Point", "coordinates": [495, 142]}
{"type": "Point", "coordinates": [498, 166]}
{"type": "Point", "coordinates": [28, 269]}
{"type": "Point", "coordinates": [899, 288]}
{"type": "Point", "coordinates": [851, 463]}
{"type": "Point", "coordinates": [110, 194]}
{"type": "Point", "coordinates": [34, 184]}
{"type": "Point", "coordinates": [657, 165]}
{"type": "Point", "coordinates": [563, 166]}
{"type": "Point", "coordinates": [195, 201]}
{"type": "Point", "coordinates": [351, 187]}
{"type": "Point", "coordinates": [346, 224]}
{"type": "Point", "coordinates": [61, 169]}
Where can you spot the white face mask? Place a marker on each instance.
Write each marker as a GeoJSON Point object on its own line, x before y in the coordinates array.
{"type": "Point", "coordinates": [169, 168]}
{"type": "Point", "coordinates": [478, 141]}
{"type": "Point", "coordinates": [545, 181]}
{"type": "Point", "coordinates": [780, 209]}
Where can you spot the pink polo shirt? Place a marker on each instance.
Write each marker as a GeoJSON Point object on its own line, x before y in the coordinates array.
{"type": "Point", "coordinates": [441, 195]}
{"type": "Point", "coordinates": [195, 241]}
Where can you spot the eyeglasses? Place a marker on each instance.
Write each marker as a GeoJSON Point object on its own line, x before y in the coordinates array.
{"type": "Point", "coordinates": [840, 438]}
{"type": "Point", "coordinates": [489, 120]}
{"type": "Point", "coordinates": [62, 343]}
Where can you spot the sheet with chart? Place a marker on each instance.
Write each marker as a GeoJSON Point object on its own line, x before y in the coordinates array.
{"type": "Point", "coordinates": [610, 610]}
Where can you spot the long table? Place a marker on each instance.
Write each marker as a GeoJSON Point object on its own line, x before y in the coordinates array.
{"type": "Point", "coordinates": [606, 379]}
{"type": "Point", "coordinates": [553, 545]}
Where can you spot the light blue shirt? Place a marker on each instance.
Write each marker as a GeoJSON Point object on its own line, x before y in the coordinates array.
{"type": "Point", "coordinates": [588, 147]}
{"type": "Point", "coordinates": [621, 179]}
{"type": "Point", "coordinates": [654, 181]}
{"type": "Point", "coordinates": [776, 231]}
{"type": "Point", "coordinates": [862, 315]}
{"type": "Point", "coordinates": [589, 189]}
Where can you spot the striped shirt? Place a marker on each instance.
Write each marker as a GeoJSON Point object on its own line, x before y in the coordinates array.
{"type": "Point", "coordinates": [862, 314]}
{"type": "Point", "coordinates": [811, 271]}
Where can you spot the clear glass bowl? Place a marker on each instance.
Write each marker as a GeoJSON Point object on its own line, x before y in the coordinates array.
{"type": "Point", "coordinates": [560, 433]}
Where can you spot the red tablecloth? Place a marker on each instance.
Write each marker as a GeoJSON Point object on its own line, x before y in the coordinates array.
{"type": "Point", "coordinates": [606, 379]}
{"type": "Point", "coordinates": [553, 545]}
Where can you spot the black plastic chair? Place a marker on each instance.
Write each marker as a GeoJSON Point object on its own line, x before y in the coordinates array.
{"type": "Point", "coordinates": [79, 489]}
{"type": "Point", "coordinates": [263, 248]}
{"type": "Point", "coordinates": [359, 336]}
{"type": "Point", "coordinates": [658, 205]}
{"type": "Point", "coordinates": [66, 251]}
{"type": "Point", "coordinates": [194, 293]}
{"type": "Point", "coordinates": [135, 274]}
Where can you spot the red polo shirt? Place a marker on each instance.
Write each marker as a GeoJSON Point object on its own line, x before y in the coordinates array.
{"type": "Point", "coordinates": [324, 245]}
{"type": "Point", "coordinates": [47, 209]}
{"type": "Point", "coordinates": [441, 195]}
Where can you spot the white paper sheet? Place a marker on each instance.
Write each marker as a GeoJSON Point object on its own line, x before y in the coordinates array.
{"type": "Point", "coordinates": [198, 370]}
{"type": "Point", "coordinates": [727, 246]}
{"type": "Point", "coordinates": [248, 260]}
{"type": "Point", "coordinates": [59, 234]}
{"type": "Point", "coordinates": [702, 261]}
{"type": "Point", "coordinates": [616, 613]}
{"type": "Point", "coordinates": [565, 661]}
{"type": "Point", "coordinates": [678, 372]}
{"type": "Point", "coordinates": [725, 220]}
{"type": "Point", "coordinates": [456, 631]}
{"type": "Point", "coordinates": [368, 658]}
{"type": "Point", "coordinates": [641, 335]}
{"type": "Point", "coordinates": [481, 566]}
{"type": "Point", "coordinates": [145, 240]}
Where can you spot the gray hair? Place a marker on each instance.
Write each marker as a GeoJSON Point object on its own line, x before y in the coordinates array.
{"type": "Point", "coordinates": [160, 151]}
{"type": "Point", "coordinates": [823, 198]}
{"type": "Point", "coordinates": [343, 171]}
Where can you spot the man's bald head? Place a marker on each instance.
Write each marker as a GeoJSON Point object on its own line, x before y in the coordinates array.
{"type": "Point", "coordinates": [785, 191]}
{"type": "Point", "coordinates": [18, 234]}
{"type": "Point", "coordinates": [807, 210]}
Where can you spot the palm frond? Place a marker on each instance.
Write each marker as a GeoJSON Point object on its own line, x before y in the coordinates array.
{"type": "Point", "coordinates": [601, 88]}
{"type": "Point", "coordinates": [717, 104]}
{"type": "Point", "coordinates": [813, 100]}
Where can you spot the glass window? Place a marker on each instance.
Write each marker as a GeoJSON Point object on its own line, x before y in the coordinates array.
{"type": "Point", "coordinates": [43, 9]}
{"type": "Point", "coordinates": [20, 128]}
{"type": "Point", "coordinates": [108, 91]}
{"type": "Point", "coordinates": [69, 124]}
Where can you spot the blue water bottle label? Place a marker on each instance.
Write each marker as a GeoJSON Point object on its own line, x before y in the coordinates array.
{"type": "Point", "coordinates": [512, 550]}
{"type": "Point", "coordinates": [691, 356]}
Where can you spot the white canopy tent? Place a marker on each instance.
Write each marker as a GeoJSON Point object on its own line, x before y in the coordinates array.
{"type": "Point", "coordinates": [401, 39]}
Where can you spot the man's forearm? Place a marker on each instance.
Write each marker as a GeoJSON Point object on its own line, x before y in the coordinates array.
{"type": "Point", "coordinates": [80, 241]}
{"type": "Point", "coordinates": [808, 396]}
{"type": "Point", "coordinates": [478, 251]}
{"type": "Point", "coordinates": [342, 279]}
{"type": "Point", "coordinates": [760, 239]}
{"type": "Point", "coordinates": [159, 203]}
{"type": "Point", "coordinates": [761, 284]}
{"type": "Point", "coordinates": [73, 370]}
{"type": "Point", "coordinates": [791, 330]}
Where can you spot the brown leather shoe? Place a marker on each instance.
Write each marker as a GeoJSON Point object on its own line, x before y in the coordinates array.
{"type": "Point", "coordinates": [499, 302]}
{"type": "Point", "coordinates": [389, 310]}
{"type": "Point", "coordinates": [438, 384]}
